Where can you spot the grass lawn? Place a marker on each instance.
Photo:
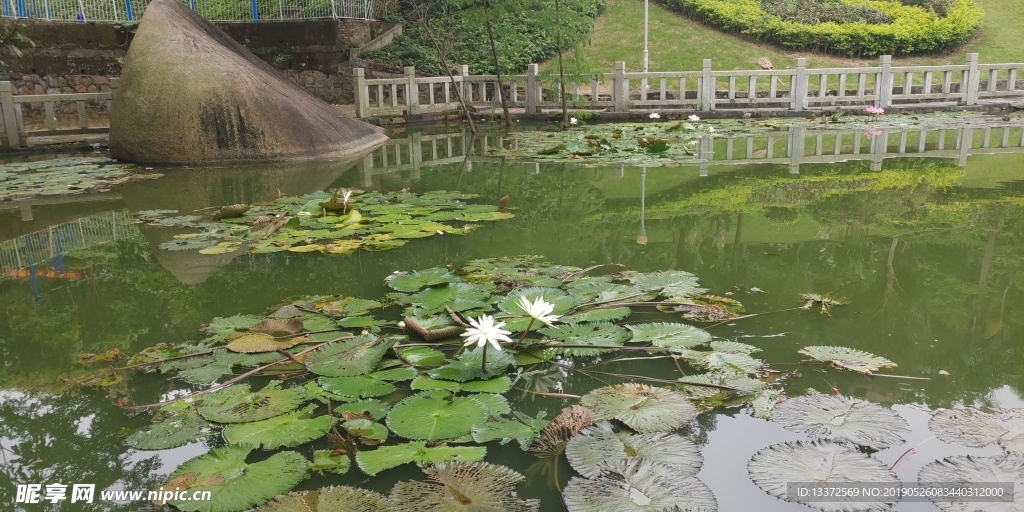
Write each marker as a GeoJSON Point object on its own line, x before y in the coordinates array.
{"type": "Point", "coordinates": [677, 43]}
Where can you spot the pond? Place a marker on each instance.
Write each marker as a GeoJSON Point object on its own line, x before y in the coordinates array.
{"type": "Point", "coordinates": [923, 249]}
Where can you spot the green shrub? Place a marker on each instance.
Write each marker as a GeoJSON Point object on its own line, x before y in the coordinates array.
{"type": "Point", "coordinates": [520, 41]}
{"type": "Point", "coordinates": [913, 29]}
{"type": "Point", "coordinates": [812, 12]}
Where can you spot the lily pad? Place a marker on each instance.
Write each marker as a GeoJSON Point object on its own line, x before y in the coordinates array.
{"type": "Point", "coordinates": [671, 283]}
{"type": "Point", "coordinates": [974, 427]}
{"type": "Point", "coordinates": [977, 472]}
{"type": "Point", "coordinates": [633, 485]}
{"type": "Point", "coordinates": [374, 461]}
{"type": "Point", "coordinates": [601, 334]}
{"type": "Point", "coordinates": [523, 429]}
{"type": "Point", "coordinates": [260, 342]}
{"type": "Point", "coordinates": [642, 407]}
{"type": "Point", "coordinates": [327, 460]}
{"type": "Point", "coordinates": [288, 429]}
{"type": "Point", "coordinates": [597, 315]}
{"type": "Point", "coordinates": [434, 416]}
{"type": "Point", "coordinates": [417, 280]}
{"type": "Point", "coordinates": [840, 418]}
{"type": "Point", "coordinates": [776, 466]}
{"type": "Point", "coordinates": [468, 366]}
{"type": "Point", "coordinates": [349, 358]}
{"type": "Point", "coordinates": [328, 499]}
{"type": "Point", "coordinates": [499, 384]}
{"type": "Point", "coordinates": [237, 404]}
{"type": "Point", "coordinates": [369, 385]}
{"type": "Point", "coordinates": [849, 358]}
{"type": "Point", "coordinates": [589, 450]}
{"type": "Point", "coordinates": [233, 484]}
{"type": "Point", "coordinates": [463, 486]}
{"type": "Point", "coordinates": [170, 430]}
{"type": "Point", "coordinates": [669, 335]}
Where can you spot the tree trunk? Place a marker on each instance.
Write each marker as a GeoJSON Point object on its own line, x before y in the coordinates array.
{"type": "Point", "coordinates": [497, 72]}
{"type": "Point", "coordinates": [443, 57]}
{"type": "Point", "coordinates": [561, 66]}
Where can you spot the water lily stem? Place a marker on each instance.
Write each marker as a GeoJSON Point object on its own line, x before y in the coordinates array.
{"type": "Point", "coordinates": [483, 360]}
{"type": "Point", "coordinates": [523, 337]}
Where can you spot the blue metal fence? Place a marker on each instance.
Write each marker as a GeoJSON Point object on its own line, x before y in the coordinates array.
{"type": "Point", "coordinates": [127, 11]}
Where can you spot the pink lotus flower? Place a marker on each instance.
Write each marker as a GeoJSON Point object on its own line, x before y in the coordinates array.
{"type": "Point", "coordinates": [874, 111]}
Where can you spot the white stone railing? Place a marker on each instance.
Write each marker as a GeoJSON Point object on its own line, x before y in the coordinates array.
{"type": "Point", "coordinates": [12, 122]}
{"type": "Point", "coordinates": [797, 88]}
{"type": "Point", "coordinates": [792, 148]}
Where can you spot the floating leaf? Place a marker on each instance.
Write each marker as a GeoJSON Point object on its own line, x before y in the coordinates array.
{"type": "Point", "coordinates": [327, 460]}
{"type": "Point", "coordinates": [374, 461]}
{"type": "Point", "coordinates": [970, 471]}
{"type": "Point", "coordinates": [633, 484]}
{"type": "Point", "coordinates": [497, 405]}
{"type": "Point", "coordinates": [463, 486]}
{"type": "Point", "coordinates": [840, 418]}
{"type": "Point", "coordinates": [417, 280]}
{"type": "Point", "coordinates": [260, 342]}
{"type": "Point", "coordinates": [468, 366]}
{"type": "Point", "coordinates": [422, 356]}
{"type": "Point", "coordinates": [776, 466]}
{"type": "Point", "coordinates": [597, 333]}
{"type": "Point", "coordinates": [170, 430]}
{"type": "Point", "coordinates": [826, 302]}
{"type": "Point", "coordinates": [435, 416]}
{"type": "Point", "coordinates": [349, 358]}
{"type": "Point", "coordinates": [597, 315]}
{"type": "Point", "coordinates": [223, 326]}
{"type": "Point", "coordinates": [499, 384]}
{"type": "Point", "coordinates": [589, 450]}
{"type": "Point", "coordinates": [370, 385]}
{"type": "Point", "coordinates": [741, 383]}
{"type": "Point", "coordinates": [522, 429]}
{"type": "Point", "coordinates": [973, 427]}
{"type": "Point", "coordinates": [288, 429]}
{"type": "Point", "coordinates": [375, 408]}
{"type": "Point", "coordinates": [669, 335]}
{"type": "Point", "coordinates": [365, 429]}
{"type": "Point", "coordinates": [237, 404]}
{"type": "Point", "coordinates": [849, 358]}
{"type": "Point", "coordinates": [641, 407]}
{"type": "Point", "coordinates": [235, 485]}
{"type": "Point", "coordinates": [279, 326]}
{"type": "Point", "coordinates": [556, 434]}
{"type": "Point", "coordinates": [671, 283]}
{"type": "Point", "coordinates": [328, 499]}
{"type": "Point", "coordinates": [433, 300]}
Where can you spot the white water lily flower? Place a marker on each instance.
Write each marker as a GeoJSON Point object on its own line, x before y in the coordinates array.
{"type": "Point", "coordinates": [539, 309]}
{"type": "Point", "coordinates": [348, 194]}
{"type": "Point", "coordinates": [305, 214]}
{"type": "Point", "coordinates": [573, 121]}
{"type": "Point", "coordinates": [711, 129]}
{"type": "Point", "coordinates": [694, 118]}
{"type": "Point", "coordinates": [655, 115]}
{"type": "Point", "coordinates": [484, 331]}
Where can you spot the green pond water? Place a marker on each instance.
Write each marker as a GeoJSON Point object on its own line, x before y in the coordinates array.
{"type": "Point", "coordinates": [929, 253]}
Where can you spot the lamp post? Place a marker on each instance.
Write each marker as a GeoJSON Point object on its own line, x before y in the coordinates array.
{"type": "Point", "coordinates": [643, 81]}
{"type": "Point", "coordinates": [641, 237]}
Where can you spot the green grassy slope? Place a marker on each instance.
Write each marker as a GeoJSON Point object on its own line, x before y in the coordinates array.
{"type": "Point", "coordinates": [677, 43]}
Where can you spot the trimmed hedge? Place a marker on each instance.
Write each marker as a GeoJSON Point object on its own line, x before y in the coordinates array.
{"type": "Point", "coordinates": [913, 29]}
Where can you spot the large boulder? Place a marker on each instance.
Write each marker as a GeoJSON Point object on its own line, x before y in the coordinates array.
{"type": "Point", "coordinates": [189, 93]}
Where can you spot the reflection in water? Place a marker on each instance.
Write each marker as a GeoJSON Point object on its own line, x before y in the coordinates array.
{"type": "Point", "coordinates": [930, 254]}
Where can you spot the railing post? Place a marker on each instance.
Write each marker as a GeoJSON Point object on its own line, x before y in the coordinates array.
{"type": "Point", "coordinates": [965, 144]}
{"type": "Point", "coordinates": [796, 147]}
{"type": "Point", "coordinates": [362, 95]}
{"type": "Point", "coordinates": [10, 121]}
{"type": "Point", "coordinates": [619, 92]}
{"type": "Point", "coordinates": [465, 88]}
{"type": "Point", "coordinates": [114, 82]}
{"type": "Point", "coordinates": [531, 89]}
{"type": "Point", "coordinates": [706, 87]}
{"type": "Point", "coordinates": [973, 77]}
{"type": "Point", "coordinates": [412, 91]}
{"type": "Point", "coordinates": [883, 84]}
{"type": "Point", "coordinates": [798, 87]}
